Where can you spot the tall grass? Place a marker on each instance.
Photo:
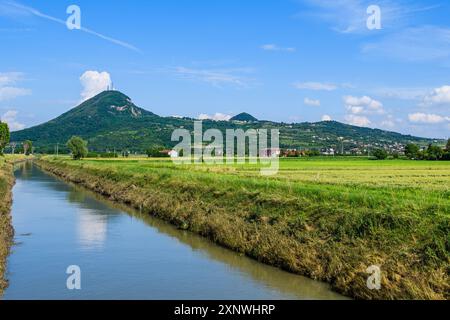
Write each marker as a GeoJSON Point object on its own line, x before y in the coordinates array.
{"type": "Point", "coordinates": [6, 230]}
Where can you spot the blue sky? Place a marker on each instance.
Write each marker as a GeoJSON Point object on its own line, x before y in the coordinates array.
{"type": "Point", "coordinates": [291, 61]}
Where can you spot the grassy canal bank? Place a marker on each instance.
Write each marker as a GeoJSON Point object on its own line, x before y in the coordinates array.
{"type": "Point", "coordinates": [326, 219]}
{"type": "Point", "coordinates": [6, 229]}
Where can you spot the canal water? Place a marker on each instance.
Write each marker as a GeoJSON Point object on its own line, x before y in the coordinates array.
{"type": "Point", "coordinates": [123, 254]}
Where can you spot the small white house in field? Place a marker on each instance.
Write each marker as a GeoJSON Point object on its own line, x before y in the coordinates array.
{"type": "Point", "coordinates": [173, 154]}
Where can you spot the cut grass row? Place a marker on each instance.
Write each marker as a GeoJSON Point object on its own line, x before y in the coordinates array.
{"type": "Point", "coordinates": [330, 229]}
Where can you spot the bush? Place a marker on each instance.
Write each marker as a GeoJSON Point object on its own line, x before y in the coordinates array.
{"type": "Point", "coordinates": [109, 155]}
{"type": "Point", "coordinates": [312, 153]}
{"type": "Point", "coordinates": [92, 155]}
{"type": "Point", "coordinates": [156, 153]}
{"type": "Point", "coordinates": [380, 154]}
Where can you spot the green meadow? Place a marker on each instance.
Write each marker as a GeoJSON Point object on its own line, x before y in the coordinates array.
{"type": "Point", "coordinates": [326, 218]}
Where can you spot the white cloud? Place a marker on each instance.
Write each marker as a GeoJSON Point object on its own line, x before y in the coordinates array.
{"type": "Point", "coordinates": [274, 47]}
{"type": "Point", "coordinates": [425, 43]}
{"type": "Point", "coordinates": [345, 16]}
{"type": "Point", "coordinates": [8, 78]}
{"type": "Point", "coordinates": [326, 117]}
{"type": "Point", "coordinates": [363, 105]}
{"type": "Point", "coordinates": [389, 122]}
{"type": "Point", "coordinates": [215, 117]}
{"type": "Point", "coordinates": [10, 118]}
{"type": "Point", "coordinates": [9, 93]}
{"type": "Point", "coordinates": [7, 89]}
{"type": "Point", "coordinates": [215, 77]}
{"type": "Point", "coordinates": [427, 118]}
{"type": "Point", "coordinates": [402, 93]}
{"type": "Point", "coordinates": [438, 96]}
{"type": "Point", "coordinates": [318, 86]}
{"type": "Point", "coordinates": [204, 116]}
{"type": "Point", "coordinates": [312, 102]}
{"type": "Point", "coordinates": [93, 83]}
{"type": "Point", "coordinates": [350, 16]}
{"type": "Point", "coordinates": [359, 121]}
{"type": "Point", "coordinates": [12, 8]}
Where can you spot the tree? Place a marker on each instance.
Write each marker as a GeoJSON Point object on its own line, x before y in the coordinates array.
{"type": "Point", "coordinates": [4, 136]}
{"type": "Point", "coordinates": [78, 147]}
{"type": "Point", "coordinates": [380, 154]}
{"type": "Point", "coordinates": [13, 147]}
{"type": "Point", "coordinates": [446, 156]}
{"type": "Point", "coordinates": [412, 151]}
{"type": "Point", "coordinates": [27, 147]}
{"type": "Point", "coordinates": [433, 153]}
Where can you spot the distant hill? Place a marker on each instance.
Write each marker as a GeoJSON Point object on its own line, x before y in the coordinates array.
{"type": "Point", "coordinates": [244, 117]}
{"type": "Point", "coordinates": [107, 120]}
{"type": "Point", "coordinates": [111, 121]}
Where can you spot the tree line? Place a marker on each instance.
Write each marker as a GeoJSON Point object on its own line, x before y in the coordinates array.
{"type": "Point", "coordinates": [414, 152]}
{"type": "Point", "coordinates": [25, 147]}
{"type": "Point", "coordinates": [78, 148]}
{"type": "Point", "coordinates": [433, 152]}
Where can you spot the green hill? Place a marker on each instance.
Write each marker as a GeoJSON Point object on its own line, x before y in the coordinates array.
{"type": "Point", "coordinates": [244, 117]}
{"type": "Point", "coordinates": [110, 121]}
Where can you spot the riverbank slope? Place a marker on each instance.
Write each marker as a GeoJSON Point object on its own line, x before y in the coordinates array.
{"type": "Point", "coordinates": [6, 229]}
{"type": "Point", "coordinates": [313, 221]}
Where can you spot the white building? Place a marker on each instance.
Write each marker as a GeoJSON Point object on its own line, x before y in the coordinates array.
{"type": "Point", "coordinates": [173, 154]}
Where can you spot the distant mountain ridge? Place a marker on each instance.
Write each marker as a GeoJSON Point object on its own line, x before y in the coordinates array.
{"type": "Point", "coordinates": [111, 121]}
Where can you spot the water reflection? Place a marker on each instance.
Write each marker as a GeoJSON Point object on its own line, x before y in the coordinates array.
{"type": "Point", "coordinates": [92, 229]}
{"type": "Point", "coordinates": [25, 168]}
{"type": "Point", "coordinates": [92, 224]}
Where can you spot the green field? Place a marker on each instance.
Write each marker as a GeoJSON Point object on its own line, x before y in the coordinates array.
{"type": "Point", "coordinates": [329, 219]}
